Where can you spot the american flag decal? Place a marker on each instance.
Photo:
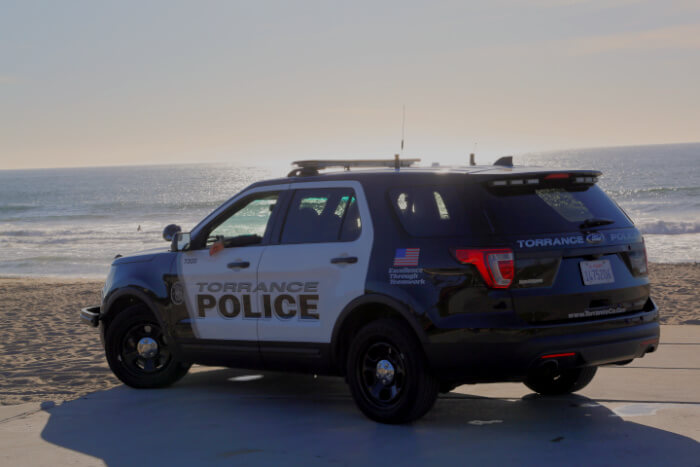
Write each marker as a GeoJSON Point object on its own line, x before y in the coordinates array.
{"type": "Point", "coordinates": [406, 257]}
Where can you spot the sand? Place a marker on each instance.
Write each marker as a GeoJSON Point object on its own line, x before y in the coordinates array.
{"type": "Point", "coordinates": [46, 354]}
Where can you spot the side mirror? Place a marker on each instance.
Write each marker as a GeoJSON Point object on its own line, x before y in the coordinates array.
{"type": "Point", "coordinates": [169, 232]}
{"type": "Point", "coordinates": [181, 241]}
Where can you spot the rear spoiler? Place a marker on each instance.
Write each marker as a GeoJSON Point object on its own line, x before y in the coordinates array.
{"type": "Point", "coordinates": [557, 178]}
{"type": "Point", "coordinates": [506, 161]}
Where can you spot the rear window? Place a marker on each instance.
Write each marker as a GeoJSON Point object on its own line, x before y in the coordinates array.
{"type": "Point", "coordinates": [546, 210]}
{"type": "Point", "coordinates": [473, 210]}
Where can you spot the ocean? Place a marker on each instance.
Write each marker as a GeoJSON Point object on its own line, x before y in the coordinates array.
{"type": "Point", "coordinates": [72, 222]}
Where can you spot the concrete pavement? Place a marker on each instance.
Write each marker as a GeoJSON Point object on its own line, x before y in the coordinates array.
{"type": "Point", "coordinates": [647, 413]}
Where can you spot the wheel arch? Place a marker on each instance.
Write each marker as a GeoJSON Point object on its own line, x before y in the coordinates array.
{"type": "Point", "coordinates": [363, 310]}
{"type": "Point", "coordinates": [121, 299]}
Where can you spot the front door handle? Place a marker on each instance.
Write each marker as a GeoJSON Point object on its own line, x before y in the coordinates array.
{"type": "Point", "coordinates": [238, 265]}
{"type": "Point", "coordinates": [344, 260]}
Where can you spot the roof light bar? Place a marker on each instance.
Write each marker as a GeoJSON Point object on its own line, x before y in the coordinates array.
{"type": "Point", "coordinates": [311, 167]}
{"type": "Point", "coordinates": [320, 164]}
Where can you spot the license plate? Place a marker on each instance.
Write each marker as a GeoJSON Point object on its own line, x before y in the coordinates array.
{"type": "Point", "coordinates": [597, 272]}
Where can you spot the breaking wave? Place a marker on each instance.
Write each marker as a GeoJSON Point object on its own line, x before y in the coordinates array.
{"type": "Point", "coordinates": [669, 228]}
{"type": "Point", "coordinates": [15, 208]}
{"type": "Point", "coordinates": [682, 190]}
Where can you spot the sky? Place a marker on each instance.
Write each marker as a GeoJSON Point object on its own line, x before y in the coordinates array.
{"type": "Point", "coordinates": [86, 83]}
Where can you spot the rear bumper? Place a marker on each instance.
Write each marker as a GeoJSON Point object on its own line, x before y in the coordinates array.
{"type": "Point", "coordinates": [486, 354]}
{"type": "Point", "coordinates": [90, 316]}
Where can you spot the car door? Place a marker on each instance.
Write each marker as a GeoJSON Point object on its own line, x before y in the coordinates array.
{"type": "Point", "coordinates": [220, 272]}
{"type": "Point", "coordinates": [318, 265]}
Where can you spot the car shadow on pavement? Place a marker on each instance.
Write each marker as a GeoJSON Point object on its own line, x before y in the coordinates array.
{"type": "Point", "coordinates": [225, 416]}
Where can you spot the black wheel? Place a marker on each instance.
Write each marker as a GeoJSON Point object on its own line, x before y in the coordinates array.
{"type": "Point", "coordinates": [137, 350]}
{"type": "Point", "coordinates": [560, 382]}
{"type": "Point", "coordinates": [388, 375]}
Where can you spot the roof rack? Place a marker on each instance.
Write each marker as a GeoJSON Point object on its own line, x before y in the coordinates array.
{"type": "Point", "coordinates": [311, 167]}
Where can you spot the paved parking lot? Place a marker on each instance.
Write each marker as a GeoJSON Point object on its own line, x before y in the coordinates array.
{"type": "Point", "coordinates": [647, 413]}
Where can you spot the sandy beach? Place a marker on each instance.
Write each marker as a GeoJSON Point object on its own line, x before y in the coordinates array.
{"type": "Point", "coordinates": [46, 354]}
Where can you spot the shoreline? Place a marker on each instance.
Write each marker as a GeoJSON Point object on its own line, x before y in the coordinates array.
{"type": "Point", "coordinates": [46, 354]}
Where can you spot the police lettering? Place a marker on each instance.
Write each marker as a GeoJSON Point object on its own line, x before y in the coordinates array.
{"type": "Point", "coordinates": [556, 241]}
{"type": "Point", "coordinates": [283, 305]}
{"type": "Point", "coordinates": [247, 287]}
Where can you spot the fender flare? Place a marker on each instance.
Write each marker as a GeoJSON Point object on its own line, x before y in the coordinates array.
{"type": "Point", "coordinates": [409, 315]}
{"type": "Point", "coordinates": [144, 297]}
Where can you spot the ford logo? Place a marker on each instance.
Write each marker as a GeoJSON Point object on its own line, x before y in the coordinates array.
{"type": "Point", "coordinates": [595, 237]}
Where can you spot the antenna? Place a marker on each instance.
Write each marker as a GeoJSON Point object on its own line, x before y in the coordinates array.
{"type": "Point", "coordinates": [403, 126]}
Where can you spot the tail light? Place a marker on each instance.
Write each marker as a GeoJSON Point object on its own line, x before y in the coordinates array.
{"type": "Point", "coordinates": [638, 261]}
{"type": "Point", "coordinates": [496, 266]}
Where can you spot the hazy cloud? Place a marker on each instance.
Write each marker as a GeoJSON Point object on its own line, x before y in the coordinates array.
{"type": "Point", "coordinates": [674, 37]}
{"type": "Point", "coordinates": [599, 3]}
{"type": "Point", "coordinates": [7, 79]}
{"type": "Point", "coordinates": [604, 4]}
{"type": "Point", "coordinates": [683, 37]}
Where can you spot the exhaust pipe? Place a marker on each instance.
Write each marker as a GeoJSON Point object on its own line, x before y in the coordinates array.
{"type": "Point", "coordinates": [548, 367]}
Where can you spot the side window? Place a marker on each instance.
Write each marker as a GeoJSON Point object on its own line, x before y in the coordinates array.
{"type": "Point", "coordinates": [419, 207]}
{"type": "Point", "coordinates": [439, 211]}
{"type": "Point", "coordinates": [440, 203]}
{"type": "Point", "coordinates": [247, 224]}
{"type": "Point", "coordinates": [352, 224]}
{"type": "Point", "coordinates": [322, 215]}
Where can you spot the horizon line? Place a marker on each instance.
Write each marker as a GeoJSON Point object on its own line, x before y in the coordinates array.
{"type": "Point", "coordinates": [212, 162]}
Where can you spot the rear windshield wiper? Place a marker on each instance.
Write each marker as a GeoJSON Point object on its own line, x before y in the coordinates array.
{"type": "Point", "coordinates": [594, 222]}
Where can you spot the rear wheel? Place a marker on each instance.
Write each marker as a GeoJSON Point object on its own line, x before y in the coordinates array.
{"type": "Point", "coordinates": [388, 374]}
{"type": "Point", "coordinates": [560, 382]}
{"type": "Point", "coordinates": [138, 352]}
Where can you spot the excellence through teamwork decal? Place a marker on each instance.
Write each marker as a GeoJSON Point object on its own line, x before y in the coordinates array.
{"type": "Point", "coordinates": [405, 270]}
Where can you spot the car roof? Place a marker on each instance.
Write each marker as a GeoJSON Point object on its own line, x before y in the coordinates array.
{"type": "Point", "coordinates": [476, 173]}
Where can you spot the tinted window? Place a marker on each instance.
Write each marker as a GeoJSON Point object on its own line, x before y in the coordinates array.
{"type": "Point", "coordinates": [352, 224]}
{"type": "Point", "coordinates": [247, 224]}
{"type": "Point", "coordinates": [322, 215]}
{"type": "Point", "coordinates": [548, 210]}
{"type": "Point", "coordinates": [473, 210]}
{"type": "Point", "coordinates": [439, 211]}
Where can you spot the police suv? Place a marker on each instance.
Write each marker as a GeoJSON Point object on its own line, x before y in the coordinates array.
{"type": "Point", "coordinates": [407, 281]}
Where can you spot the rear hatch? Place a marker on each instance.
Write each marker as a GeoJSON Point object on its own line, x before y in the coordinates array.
{"type": "Point", "coordinates": [553, 242]}
{"type": "Point", "coordinates": [577, 255]}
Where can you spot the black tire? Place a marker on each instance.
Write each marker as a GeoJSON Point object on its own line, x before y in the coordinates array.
{"type": "Point", "coordinates": [560, 382]}
{"type": "Point", "coordinates": [131, 326]}
{"type": "Point", "coordinates": [408, 390]}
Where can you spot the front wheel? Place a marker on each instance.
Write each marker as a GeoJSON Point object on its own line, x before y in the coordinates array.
{"type": "Point", "coordinates": [388, 375]}
{"type": "Point", "coordinates": [138, 352]}
{"type": "Point", "coordinates": [560, 382]}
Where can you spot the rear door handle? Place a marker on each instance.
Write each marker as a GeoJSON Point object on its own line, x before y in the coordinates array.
{"type": "Point", "coordinates": [240, 264]}
{"type": "Point", "coordinates": [344, 260]}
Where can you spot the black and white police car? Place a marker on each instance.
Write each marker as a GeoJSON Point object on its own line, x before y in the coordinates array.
{"type": "Point", "coordinates": [407, 281]}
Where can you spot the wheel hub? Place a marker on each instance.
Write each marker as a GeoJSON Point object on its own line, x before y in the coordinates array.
{"type": "Point", "coordinates": [385, 372]}
{"type": "Point", "coordinates": [147, 347]}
